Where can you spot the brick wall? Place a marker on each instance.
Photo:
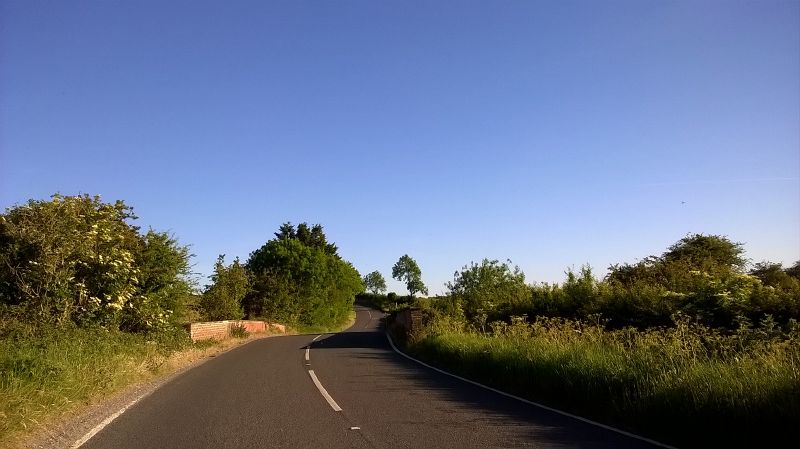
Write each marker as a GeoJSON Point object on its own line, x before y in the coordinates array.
{"type": "Point", "coordinates": [403, 323]}
{"type": "Point", "coordinates": [220, 330]}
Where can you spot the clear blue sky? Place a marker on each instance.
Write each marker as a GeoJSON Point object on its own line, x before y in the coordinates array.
{"type": "Point", "coordinates": [551, 133]}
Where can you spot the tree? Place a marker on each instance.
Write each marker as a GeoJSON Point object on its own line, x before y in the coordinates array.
{"type": "Point", "coordinates": [299, 278]}
{"type": "Point", "coordinates": [706, 251]}
{"type": "Point", "coordinates": [375, 283]}
{"type": "Point", "coordinates": [222, 300]}
{"type": "Point", "coordinates": [406, 270]}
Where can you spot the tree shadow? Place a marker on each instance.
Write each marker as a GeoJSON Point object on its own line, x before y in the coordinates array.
{"type": "Point", "coordinates": [391, 372]}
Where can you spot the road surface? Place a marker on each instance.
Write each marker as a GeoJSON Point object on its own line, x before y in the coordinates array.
{"type": "Point", "coordinates": [345, 390]}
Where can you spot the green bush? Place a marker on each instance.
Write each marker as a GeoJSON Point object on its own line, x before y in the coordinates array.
{"type": "Point", "coordinates": [77, 259]}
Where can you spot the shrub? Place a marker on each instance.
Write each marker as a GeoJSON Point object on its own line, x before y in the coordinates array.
{"type": "Point", "coordinates": [77, 259]}
{"type": "Point", "coordinates": [239, 331]}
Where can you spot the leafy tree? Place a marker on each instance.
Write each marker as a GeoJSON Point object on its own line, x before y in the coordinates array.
{"type": "Point", "coordinates": [222, 300]}
{"type": "Point", "coordinates": [375, 283]}
{"type": "Point", "coordinates": [406, 270]}
{"type": "Point", "coordinates": [299, 278]}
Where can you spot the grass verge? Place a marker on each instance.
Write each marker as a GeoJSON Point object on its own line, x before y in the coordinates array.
{"type": "Point", "coordinates": [687, 386]}
{"type": "Point", "coordinates": [46, 373]}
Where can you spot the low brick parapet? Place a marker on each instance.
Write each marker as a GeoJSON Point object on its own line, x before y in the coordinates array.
{"type": "Point", "coordinates": [220, 330]}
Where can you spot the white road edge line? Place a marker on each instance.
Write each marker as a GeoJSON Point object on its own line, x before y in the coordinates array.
{"type": "Point", "coordinates": [105, 422]}
{"type": "Point", "coordinates": [324, 392]}
{"type": "Point", "coordinates": [536, 404]}
{"type": "Point", "coordinates": [315, 338]}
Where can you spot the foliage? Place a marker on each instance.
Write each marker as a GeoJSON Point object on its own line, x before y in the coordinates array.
{"type": "Point", "coordinates": [705, 251]}
{"type": "Point", "coordinates": [388, 303]}
{"type": "Point", "coordinates": [686, 340]}
{"type": "Point", "coordinates": [773, 275]}
{"type": "Point", "coordinates": [313, 236]}
{"type": "Point", "coordinates": [482, 289]}
{"type": "Point", "coordinates": [375, 283]}
{"type": "Point", "coordinates": [77, 259]}
{"type": "Point", "coordinates": [700, 276]}
{"type": "Point", "coordinates": [372, 300]}
{"type": "Point", "coordinates": [222, 300]}
{"type": "Point", "coordinates": [794, 270]}
{"type": "Point", "coordinates": [688, 385]}
{"type": "Point", "coordinates": [299, 278]}
{"type": "Point", "coordinates": [406, 270]}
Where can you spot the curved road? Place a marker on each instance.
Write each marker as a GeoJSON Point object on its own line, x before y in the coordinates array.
{"type": "Point", "coordinates": [265, 394]}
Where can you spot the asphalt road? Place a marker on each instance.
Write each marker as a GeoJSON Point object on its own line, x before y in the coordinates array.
{"type": "Point", "coordinates": [262, 395]}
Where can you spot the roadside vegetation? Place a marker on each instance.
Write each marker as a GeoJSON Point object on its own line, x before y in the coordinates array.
{"type": "Point", "coordinates": [298, 278]}
{"type": "Point", "coordinates": [90, 303]}
{"type": "Point", "coordinates": [689, 347]}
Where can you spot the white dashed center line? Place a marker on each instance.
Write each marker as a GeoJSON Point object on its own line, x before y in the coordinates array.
{"type": "Point", "coordinates": [324, 392]}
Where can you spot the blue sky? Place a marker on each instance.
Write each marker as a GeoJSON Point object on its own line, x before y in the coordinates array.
{"type": "Point", "coordinates": [551, 133]}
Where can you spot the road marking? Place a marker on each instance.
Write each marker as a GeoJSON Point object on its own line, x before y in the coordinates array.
{"type": "Point", "coordinates": [315, 338]}
{"type": "Point", "coordinates": [105, 422]}
{"type": "Point", "coordinates": [324, 392]}
{"type": "Point", "coordinates": [307, 350]}
{"type": "Point", "coordinates": [536, 404]}
{"type": "Point", "coordinates": [355, 428]}
{"type": "Point", "coordinates": [370, 319]}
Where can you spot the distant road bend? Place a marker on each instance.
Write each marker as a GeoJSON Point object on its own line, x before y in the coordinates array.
{"type": "Point", "coordinates": [345, 390]}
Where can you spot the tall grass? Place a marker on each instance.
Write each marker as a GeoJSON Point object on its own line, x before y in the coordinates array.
{"type": "Point", "coordinates": [689, 385]}
{"type": "Point", "coordinates": [47, 370]}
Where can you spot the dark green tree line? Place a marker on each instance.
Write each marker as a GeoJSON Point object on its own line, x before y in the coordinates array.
{"type": "Point", "coordinates": [701, 277]}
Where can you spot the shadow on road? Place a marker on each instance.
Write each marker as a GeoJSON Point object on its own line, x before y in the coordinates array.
{"type": "Point", "coordinates": [388, 372]}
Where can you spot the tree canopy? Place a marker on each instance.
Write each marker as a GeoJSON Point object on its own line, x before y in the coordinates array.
{"type": "Point", "coordinates": [375, 283]}
{"type": "Point", "coordinates": [299, 278]}
{"type": "Point", "coordinates": [406, 270]}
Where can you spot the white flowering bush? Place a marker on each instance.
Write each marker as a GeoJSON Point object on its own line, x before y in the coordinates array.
{"type": "Point", "coordinates": [76, 258]}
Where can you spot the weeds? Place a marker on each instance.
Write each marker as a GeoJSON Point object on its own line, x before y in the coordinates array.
{"type": "Point", "coordinates": [239, 332]}
{"type": "Point", "coordinates": [47, 370]}
{"type": "Point", "coordinates": [689, 385]}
